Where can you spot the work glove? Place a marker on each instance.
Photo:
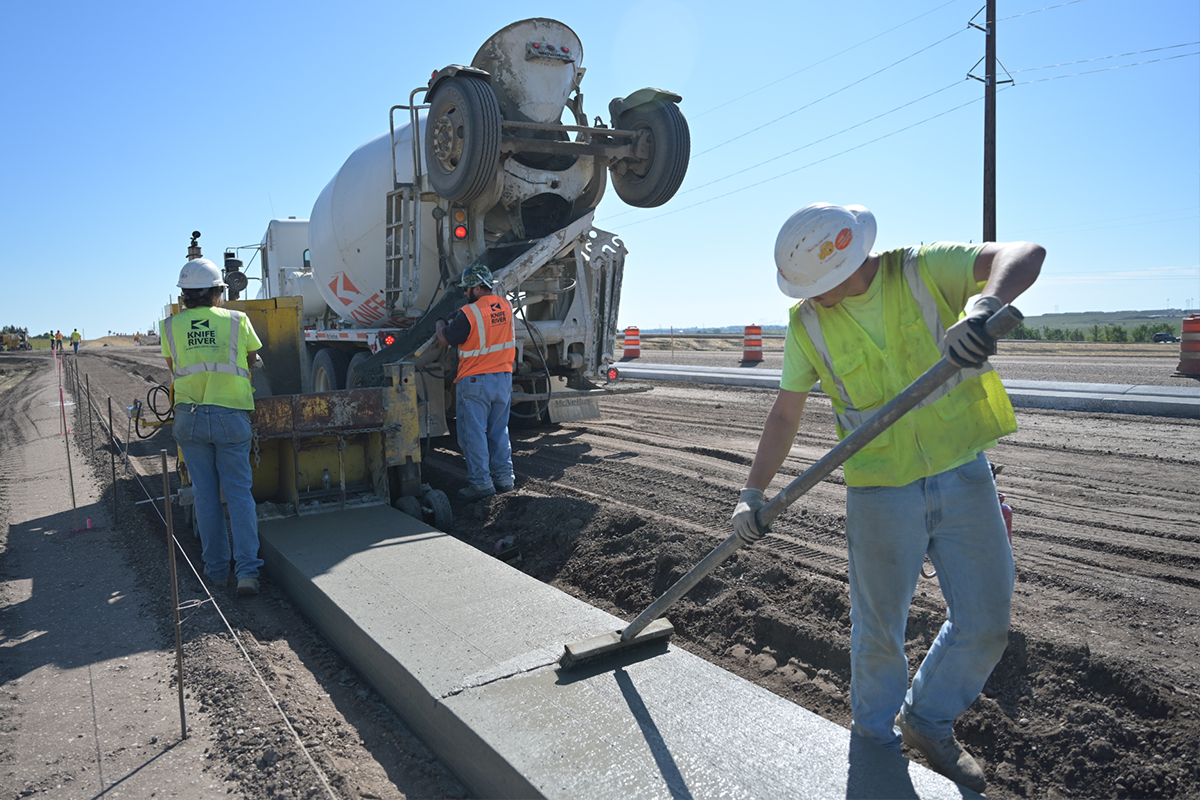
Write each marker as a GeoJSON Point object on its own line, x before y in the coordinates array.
{"type": "Point", "coordinates": [968, 343]}
{"type": "Point", "coordinates": [744, 523]}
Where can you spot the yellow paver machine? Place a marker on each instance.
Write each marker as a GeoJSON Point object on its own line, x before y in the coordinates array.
{"type": "Point", "coordinates": [322, 451]}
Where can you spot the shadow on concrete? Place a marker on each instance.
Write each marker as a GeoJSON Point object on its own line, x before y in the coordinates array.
{"type": "Point", "coordinates": [658, 748]}
{"type": "Point", "coordinates": [876, 773]}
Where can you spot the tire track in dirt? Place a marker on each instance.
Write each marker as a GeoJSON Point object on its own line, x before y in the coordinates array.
{"type": "Point", "coordinates": [1100, 674]}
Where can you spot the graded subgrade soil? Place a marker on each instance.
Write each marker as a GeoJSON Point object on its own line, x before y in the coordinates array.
{"type": "Point", "coordinates": [1096, 695]}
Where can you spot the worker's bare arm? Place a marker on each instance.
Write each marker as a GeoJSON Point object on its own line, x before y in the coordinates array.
{"type": "Point", "coordinates": [1009, 268]}
{"type": "Point", "coordinates": [779, 432]}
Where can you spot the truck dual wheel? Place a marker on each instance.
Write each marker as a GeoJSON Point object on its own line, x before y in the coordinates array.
{"type": "Point", "coordinates": [462, 138]}
{"type": "Point", "coordinates": [652, 181]}
{"type": "Point", "coordinates": [353, 378]}
{"type": "Point", "coordinates": [329, 370]}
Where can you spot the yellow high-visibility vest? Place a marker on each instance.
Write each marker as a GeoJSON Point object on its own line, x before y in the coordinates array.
{"type": "Point", "coordinates": [208, 347]}
{"type": "Point", "coordinates": [967, 415]}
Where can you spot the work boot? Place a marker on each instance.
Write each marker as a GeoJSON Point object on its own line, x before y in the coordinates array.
{"type": "Point", "coordinates": [502, 488]}
{"type": "Point", "coordinates": [247, 587]}
{"type": "Point", "coordinates": [470, 494]}
{"type": "Point", "coordinates": [216, 580]}
{"type": "Point", "coordinates": [945, 756]}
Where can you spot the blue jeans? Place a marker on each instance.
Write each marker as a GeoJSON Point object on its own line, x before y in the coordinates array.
{"type": "Point", "coordinates": [955, 518]}
{"type": "Point", "coordinates": [483, 405]}
{"type": "Point", "coordinates": [216, 448]}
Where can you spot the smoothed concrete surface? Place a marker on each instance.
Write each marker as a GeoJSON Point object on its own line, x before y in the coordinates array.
{"type": "Point", "coordinates": [1158, 401]}
{"type": "Point", "coordinates": [466, 649]}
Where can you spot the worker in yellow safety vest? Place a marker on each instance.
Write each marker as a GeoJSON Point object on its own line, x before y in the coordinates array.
{"type": "Point", "coordinates": [484, 333]}
{"type": "Point", "coordinates": [76, 338]}
{"type": "Point", "coordinates": [867, 325]}
{"type": "Point", "coordinates": [210, 351]}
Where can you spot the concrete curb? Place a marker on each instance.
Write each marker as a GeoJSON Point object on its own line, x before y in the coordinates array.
{"type": "Point", "coordinates": [1159, 401]}
{"type": "Point", "coordinates": [465, 648]}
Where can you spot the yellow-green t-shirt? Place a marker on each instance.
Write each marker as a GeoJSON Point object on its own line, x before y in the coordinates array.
{"type": "Point", "coordinates": [202, 335]}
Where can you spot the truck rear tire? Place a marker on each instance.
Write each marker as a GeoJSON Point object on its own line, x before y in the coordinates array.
{"type": "Point", "coordinates": [353, 379]}
{"type": "Point", "coordinates": [329, 370]}
{"type": "Point", "coordinates": [652, 181]}
{"type": "Point", "coordinates": [462, 138]}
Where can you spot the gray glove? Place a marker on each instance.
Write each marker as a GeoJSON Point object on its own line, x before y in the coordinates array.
{"type": "Point", "coordinates": [967, 343]}
{"type": "Point", "coordinates": [744, 523]}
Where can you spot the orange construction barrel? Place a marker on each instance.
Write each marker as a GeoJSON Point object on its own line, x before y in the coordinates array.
{"type": "Point", "coordinates": [1189, 348]}
{"type": "Point", "coordinates": [633, 343]}
{"type": "Point", "coordinates": [752, 349]}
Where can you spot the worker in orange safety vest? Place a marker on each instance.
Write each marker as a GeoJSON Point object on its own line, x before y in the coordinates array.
{"type": "Point", "coordinates": [484, 333]}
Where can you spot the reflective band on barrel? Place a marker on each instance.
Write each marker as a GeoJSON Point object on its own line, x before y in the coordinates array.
{"type": "Point", "coordinates": [752, 343]}
{"type": "Point", "coordinates": [633, 343]}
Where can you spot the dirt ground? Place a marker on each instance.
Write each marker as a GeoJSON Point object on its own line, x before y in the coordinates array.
{"type": "Point", "coordinates": [1096, 695]}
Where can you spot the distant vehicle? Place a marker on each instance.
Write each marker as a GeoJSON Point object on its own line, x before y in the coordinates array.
{"type": "Point", "coordinates": [15, 341]}
{"type": "Point", "coordinates": [1165, 338]}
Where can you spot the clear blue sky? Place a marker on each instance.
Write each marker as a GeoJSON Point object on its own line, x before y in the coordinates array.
{"type": "Point", "coordinates": [129, 125]}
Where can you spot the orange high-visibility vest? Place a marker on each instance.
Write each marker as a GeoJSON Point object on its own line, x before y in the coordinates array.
{"type": "Point", "coordinates": [491, 343]}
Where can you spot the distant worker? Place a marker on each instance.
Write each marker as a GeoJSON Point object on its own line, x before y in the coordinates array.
{"type": "Point", "coordinates": [58, 341]}
{"type": "Point", "coordinates": [867, 325]}
{"type": "Point", "coordinates": [76, 338]}
{"type": "Point", "coordinates": [137, 339]}
{"type": "Point", "coordinates": [483, 330]}
{"type": "Point", "coordinates": [210, 351]}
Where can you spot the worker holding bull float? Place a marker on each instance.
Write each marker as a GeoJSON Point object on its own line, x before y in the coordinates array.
{"type": "Point", "coordinates": [868, 325]}
{"type": "Point", "coordinates": [209, 351]}
{"type": "Point", "coordinates": [484, 333]}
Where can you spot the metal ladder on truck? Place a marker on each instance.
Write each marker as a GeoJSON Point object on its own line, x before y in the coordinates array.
{"type": "Point", "coordinates": [403, 246]}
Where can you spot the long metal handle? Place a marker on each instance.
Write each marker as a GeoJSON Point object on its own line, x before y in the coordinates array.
{"type": "Point", "coordinates": [1000, 324]}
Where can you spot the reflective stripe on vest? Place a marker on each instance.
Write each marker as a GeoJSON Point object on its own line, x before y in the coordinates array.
{"type": "Point", "coordinates": [851, 418]}
{"type": "Point", "coordinates": [481, 331]}
{"type": "Point", "coordinates": [229, 368]}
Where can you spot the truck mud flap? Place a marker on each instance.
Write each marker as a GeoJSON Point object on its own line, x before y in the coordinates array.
{"type": "Point", "coordinates": [573, 407]}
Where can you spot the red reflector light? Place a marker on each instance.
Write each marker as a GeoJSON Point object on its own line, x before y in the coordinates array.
{"type": "Point", "coordinates": [389, 340]}
{"type": "Point", "coordinates": [566, 50]}
{"type": "Point", "coordinates": [460, 232]}
{"type": "Point", "coordinates": [613, 374]}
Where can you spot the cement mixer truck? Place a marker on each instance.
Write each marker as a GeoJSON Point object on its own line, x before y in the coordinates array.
{"type": "Point", "coordinates": [484, 170]}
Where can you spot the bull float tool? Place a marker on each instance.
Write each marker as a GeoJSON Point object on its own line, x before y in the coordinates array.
{"type": "Point", "coordinates": [650, 627]}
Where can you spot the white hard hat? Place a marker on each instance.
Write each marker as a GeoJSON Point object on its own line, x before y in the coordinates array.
{"type": "Point", "coordinates": [200, 274]}
{"type": "Point", "coordinates": [820, 246]}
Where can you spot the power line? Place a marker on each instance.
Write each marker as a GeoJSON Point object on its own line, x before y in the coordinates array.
{"type": "Point", "coordinates": [824, 138]}
{"type": "Point", "coordinates": [826, 97]}
{"type": "Point", "coordinates": [1107, 69]}
{"type": "Point", "coordinates": [810, 164]}
{"type": "Point", "coordinates": [822, 61]}
{"type": "Point", "coordinates": [1040, 10]}
{"type": "Point", "coordinates": [864, 144]}
{"type": "Point", "coordinates": [1103, 58]}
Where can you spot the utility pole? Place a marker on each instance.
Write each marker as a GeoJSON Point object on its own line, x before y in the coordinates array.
{"type": "Point", "coordinates": [989, 118]}
{"type": "Point", "coordinates": [989, 127]}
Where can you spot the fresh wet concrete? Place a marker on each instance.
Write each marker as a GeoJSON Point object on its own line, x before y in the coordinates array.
{"type": "Point", "coordinates": [466, 649]}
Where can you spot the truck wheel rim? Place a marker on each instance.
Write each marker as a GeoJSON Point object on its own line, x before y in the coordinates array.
{"type": "Point", "coordinates": [448, 139]}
